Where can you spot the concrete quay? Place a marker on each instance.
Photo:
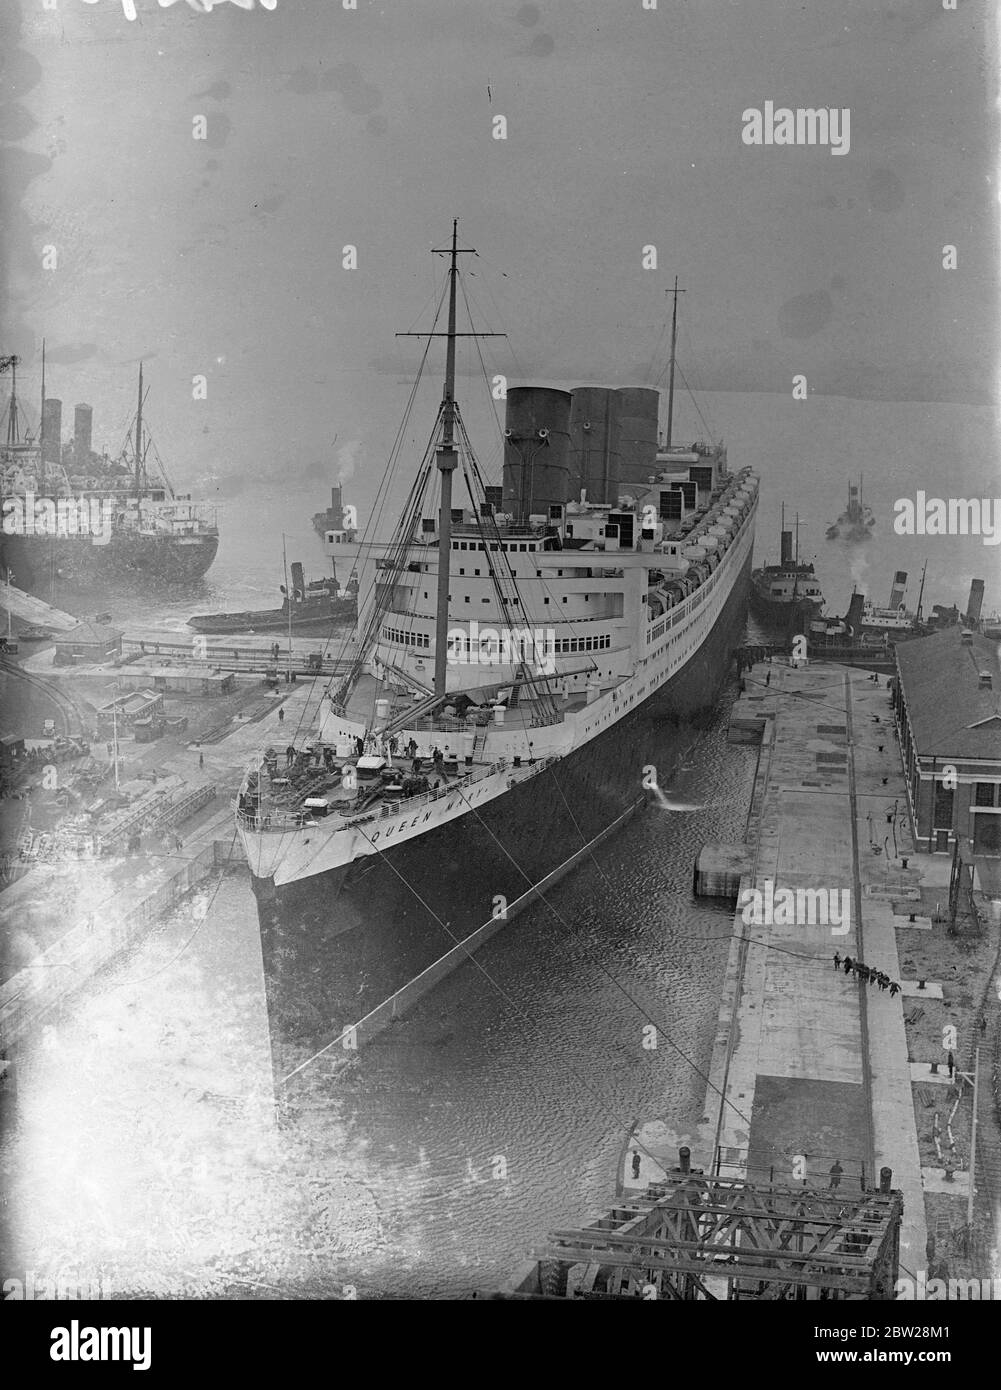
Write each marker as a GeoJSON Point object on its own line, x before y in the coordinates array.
{"type": "Point", "coordinates": [810, 1067]}
{"type": "Point", "coordinates": [29, 609]}
{"type": "Point", "coordinates": [324, 653]}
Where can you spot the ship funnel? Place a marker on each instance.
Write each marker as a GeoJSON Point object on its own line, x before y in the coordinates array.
{"type": "Point", "coordinates": [594, 443]}
{"type": "Point", "coordinates": [298, 583]}
{"type": "Point", "coordinates": [975, 602]}
{"type": "Point", "coordinates": [786, 555]}
{"type": "Point", "coordinates": [897, 589]}
{"type": "Point", "coordinates": [83, 419]}
{"type": "Point", "coordinates": [639, 409]}
{"type": "Point", "coordinates": [53, 429]}
{"type": "Point", "coordinates": [853, 618]}
{"type": "Point", "coordinates": [536, 450]}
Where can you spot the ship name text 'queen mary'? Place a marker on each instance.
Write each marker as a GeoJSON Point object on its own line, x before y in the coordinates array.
{"type": "Point", "coordinates": [438, 779]}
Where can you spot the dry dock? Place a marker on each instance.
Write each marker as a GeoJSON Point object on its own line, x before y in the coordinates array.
{"type": "Point", "coordinates": [810, 1066]}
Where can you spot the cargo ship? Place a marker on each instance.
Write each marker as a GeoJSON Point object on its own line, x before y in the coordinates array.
{"type": "Point", "coordinates": [856, 522]}
{"type": "Point", "coordinates": [53, 493]}
{"type": "Point", "coordinates": [525, 663]}
{"type": "Point", "coordinates": [313, 606]}
{"type": "Point", "coordinates": [787, 596]}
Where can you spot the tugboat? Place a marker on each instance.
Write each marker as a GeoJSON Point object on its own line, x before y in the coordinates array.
{"type": "Point", "coordinates": [787, 595]}
{"type": "Point", "coordinates": [319, 606]}
{"type": "Point", "coordinates": [855, 523]}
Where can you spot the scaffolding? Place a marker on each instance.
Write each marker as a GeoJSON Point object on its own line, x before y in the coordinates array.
{"type": "Point", "coordinates": [692, 1237]}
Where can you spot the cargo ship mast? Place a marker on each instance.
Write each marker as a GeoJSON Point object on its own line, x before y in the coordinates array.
{"type": "Point", "coordinates": [42, 466]}
{"type": "Point", "coordinates": [139, 436]}
{"type": "Point", "coordinates": [674, 350]}
{"type": "Point", "coordinates": [13, 427]}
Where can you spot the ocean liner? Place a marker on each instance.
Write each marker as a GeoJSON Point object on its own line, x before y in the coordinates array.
{"type": "Point", "coordinates": [522, 663]}
{"type": "Point", "coordinates": [149, 531]}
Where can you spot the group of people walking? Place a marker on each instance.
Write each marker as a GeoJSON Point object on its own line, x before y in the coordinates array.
{"type": "Point", "coordinates": [866, 973]}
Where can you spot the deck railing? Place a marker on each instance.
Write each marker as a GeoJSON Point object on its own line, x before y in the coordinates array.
{"type": "Point", "coordinates": [279, 820]}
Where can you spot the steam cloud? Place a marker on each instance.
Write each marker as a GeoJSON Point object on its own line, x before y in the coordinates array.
{"type": "Point", "coordinates": [347, 457]}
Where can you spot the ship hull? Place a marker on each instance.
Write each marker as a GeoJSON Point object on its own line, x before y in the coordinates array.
{"type": "Point", "coordinates": [36, 560]}
{"type": "Point", "coordinates": [786, 615]}
{"type": "Point", "coordinates": [274, 620]}
{"type": "Point", "coordinates": [336, 944]}
{"type": "Point", "coordinates": [854, 533]}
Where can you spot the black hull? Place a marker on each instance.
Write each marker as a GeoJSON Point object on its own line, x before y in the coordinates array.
{"type": "Point", "coordinates": [337, 944]}
{"type": "Point", "coordinates": [787, 616]}
{"type": "Point", "coordinates": [274, 620]}
{"type": "Point", "coordinates": [36, 560]}
{"type": "Point", "coordinates": [852, 533]}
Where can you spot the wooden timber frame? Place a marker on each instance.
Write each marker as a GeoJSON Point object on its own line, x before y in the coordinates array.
{"type": "Point", "coordinates": [691, 1237]}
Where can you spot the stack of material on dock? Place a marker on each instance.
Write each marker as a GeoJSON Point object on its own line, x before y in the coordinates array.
{"type": "Point", "coordinates": [719, 869]}
{"type": "Point", "coordinates": [169, 803]}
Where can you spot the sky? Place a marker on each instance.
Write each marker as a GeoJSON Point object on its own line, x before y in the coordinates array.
{"type": "Point", "coordinates": [373, 127]}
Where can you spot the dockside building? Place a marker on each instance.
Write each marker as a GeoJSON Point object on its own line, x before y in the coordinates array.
{"type": "Point", "coordinates": [947, 704]}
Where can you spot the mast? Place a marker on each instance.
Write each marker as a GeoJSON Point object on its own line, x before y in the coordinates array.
{"type": "Point", "coordinates": [13, 431]}
{"type": "Point", "coordinates": [288, 605]}
{"type": "Point", "coordinates": [674, 346]}
{"type": "Point", "coordinates": [446, 467]}
{"type": "Point", "coordinates": [921, 591]}
{"type": "Point", "coordinates": [446, 454]}
{"type": "Point", "coordinates": [41, 420]}
{"type": "Point", "coordinates": [114, 730]}
{"type": "Point", "coordinates": [139, 434]}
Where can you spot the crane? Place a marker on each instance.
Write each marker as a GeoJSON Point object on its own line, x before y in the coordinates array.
{"type": "Point", "coordinates": [13, 430]}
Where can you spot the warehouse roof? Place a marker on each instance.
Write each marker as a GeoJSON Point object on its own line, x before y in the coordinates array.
{"type": "Point", "coordinates": [951, 683]}
{"type": "Point", "coordinates": [95, 633]}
